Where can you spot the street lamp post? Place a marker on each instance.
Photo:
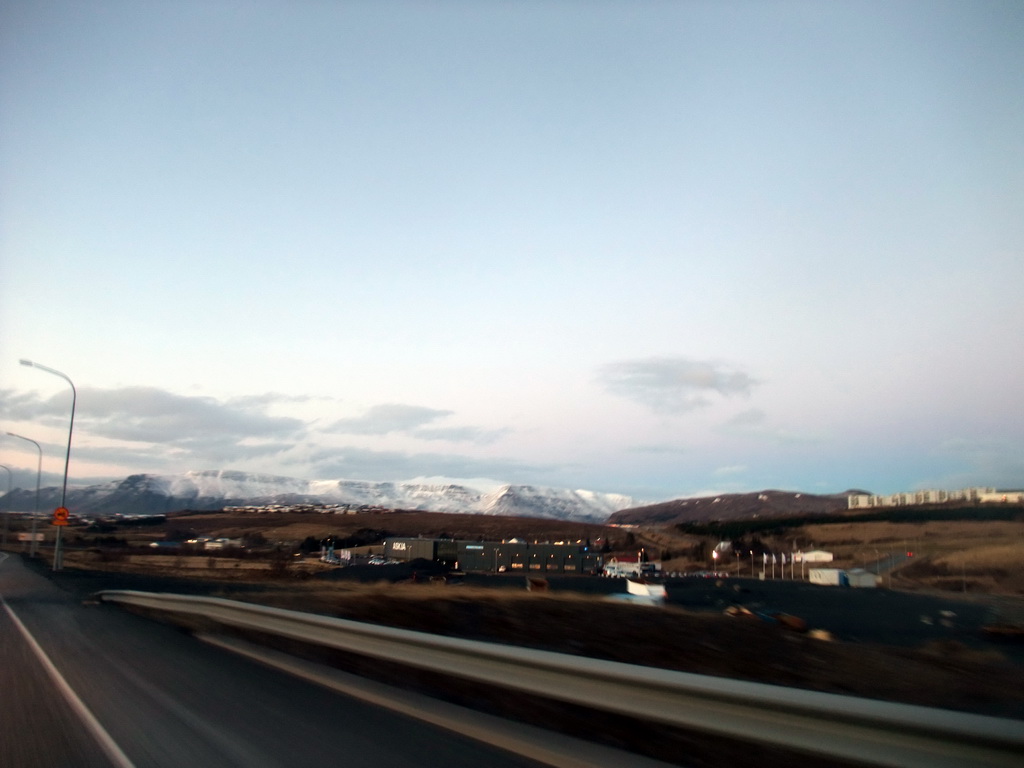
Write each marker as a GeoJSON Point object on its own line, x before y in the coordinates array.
{"type": "Point", "coordinates": [7, 499]}
{"type": "Point", "coordinates": [33, 545]}
{"type": "Point", "coordinates": [58, 560]}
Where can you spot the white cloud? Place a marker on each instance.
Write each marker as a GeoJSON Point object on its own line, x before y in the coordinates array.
{"type": "Point", "coordinates": [388, 417]}
{"type": "Point", "coordinates": [412, 420]}
{"type": "Point", "coordinates": [148, 414]}
{"type": "Point", "coordinates": [154, 428]}
{"type": "Point", "coordinates": [674, 385]}
{"type": "Point", "coordinates": [660, 448]}
{"type": "Point", "coordinates": [366, 464]}
{"type": "Point", "coordinates": [151, 429]}
{"type": "Point", "coordinates": [475, 435]}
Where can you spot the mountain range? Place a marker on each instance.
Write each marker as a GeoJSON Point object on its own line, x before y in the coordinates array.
{"type": "Point", "coordinates": [211, 490]}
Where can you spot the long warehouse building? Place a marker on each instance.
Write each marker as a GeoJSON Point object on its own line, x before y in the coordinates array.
{"type": "Point", "coordinates": [498, 556]}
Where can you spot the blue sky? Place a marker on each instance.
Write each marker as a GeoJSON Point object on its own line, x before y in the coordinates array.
{"type": "Point", "coordinates": [649, 248]}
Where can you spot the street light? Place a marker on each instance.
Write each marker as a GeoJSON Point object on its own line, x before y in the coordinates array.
{"type": "Point", "coordinates": [57, 558]}
{"type": "Point", "coordinates": [32, 547]}
{"type": "Point", "coordinates": [7, 498]}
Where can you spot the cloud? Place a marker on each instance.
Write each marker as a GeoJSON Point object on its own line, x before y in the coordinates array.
{"type": "Point", "coordinates": [151, 429]}
{"type": "Point", "coordinates": [674, 385]}
{"type": "Point", "coordinates": [474, 435]}
{"type": "Point", "coordinates": [659, 449]}
{"type": "Point", "coordinates": [269, 399]}
{"type": "Point", "coordinates": [148, 414]}
{"type": "Point", "coordinates": [753, 423]}
{"type": "Point", "coordinates": [749, 418]}
{"type": "Point", "coordinates": [199, 453]}
{"type": "Point", "coordinates": [412, 420]}
{"type": "Point", "coordinates": [157, 428]}
{"type": "Point", "coordinates": [366, 464]}
{"type": "Point", "coordinates": [29, 406]}
{"type": "Point", "coordinates": [387, 418]}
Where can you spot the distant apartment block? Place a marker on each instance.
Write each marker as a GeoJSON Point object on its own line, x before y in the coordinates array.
{"type": "Point", "coordinates": [912, 498]}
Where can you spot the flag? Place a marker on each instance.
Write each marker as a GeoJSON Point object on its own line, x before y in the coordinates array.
{"type": "Point", "coordinates": [766, 558]}
{"type": "Point", "coordinates": [773, 558]}
{"type": "Point", "coordinates": [783, 558]}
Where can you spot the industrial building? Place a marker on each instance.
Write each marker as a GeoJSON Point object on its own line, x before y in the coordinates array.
{"type": "Point", "coordinates": [498, 556]}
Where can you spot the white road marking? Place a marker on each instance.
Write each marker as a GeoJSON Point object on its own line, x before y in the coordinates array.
{"type": "Point", "coordinates": [106, 742]}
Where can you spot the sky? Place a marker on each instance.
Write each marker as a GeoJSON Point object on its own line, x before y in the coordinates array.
{"type": "Point", "coordinates": [660, 249]}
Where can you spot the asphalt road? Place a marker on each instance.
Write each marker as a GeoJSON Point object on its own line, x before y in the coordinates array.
{"type": "Point", "coordinates": [164, 698]}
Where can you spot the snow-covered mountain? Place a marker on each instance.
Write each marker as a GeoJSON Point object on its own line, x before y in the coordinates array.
{"type": "Point", "coordinates": [155, 494]}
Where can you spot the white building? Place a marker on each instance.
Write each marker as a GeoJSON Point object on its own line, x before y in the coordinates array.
{"type": "Point", "coordinates": [930, 496]}
{"type": "Point", "coordinates": [832, 577]}
{"type": "Point", "coordinates": [1002, 497]}
{"type": "Point", "coordinates": [618, 568]}
{"type": "Point", "coordinates": [814, 556]}
{"type": "Point", "coordinates": [221, 543]}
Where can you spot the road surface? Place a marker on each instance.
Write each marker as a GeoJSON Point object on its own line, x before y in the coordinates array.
{"type": "Point", "coordinates": [125, 691]}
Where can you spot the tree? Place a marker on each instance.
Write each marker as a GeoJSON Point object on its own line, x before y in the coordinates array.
{"type": "Point", "coordinates": [699, 551]}
{"type": "Point", "coordinates": [253, 539]}
{"type": "Point", "coordinates": [279, 562]}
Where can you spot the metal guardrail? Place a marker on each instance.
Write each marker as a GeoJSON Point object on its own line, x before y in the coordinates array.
{"type": "Point", "coordinates": [861, 731]}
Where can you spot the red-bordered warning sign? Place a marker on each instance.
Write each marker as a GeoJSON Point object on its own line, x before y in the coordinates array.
{"type": "Point", "coordinates": [60, 516]}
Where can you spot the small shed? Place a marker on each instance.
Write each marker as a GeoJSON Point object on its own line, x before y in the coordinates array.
{"type": "Point", "coordinates": [858, 577]}
{"type": "Point", "coordinates": [833, 577]}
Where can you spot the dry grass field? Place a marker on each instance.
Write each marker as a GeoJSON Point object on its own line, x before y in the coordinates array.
{"type": "Point", "coordinates": [977, 557]}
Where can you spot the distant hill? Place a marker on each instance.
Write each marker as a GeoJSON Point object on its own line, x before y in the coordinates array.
{"type": "Point", "coordinates": [733, 506]}
{"type": "Point", "coordinates": [211, 490]}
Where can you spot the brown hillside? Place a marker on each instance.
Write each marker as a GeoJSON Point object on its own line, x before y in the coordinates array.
{"type": "Point", "coordinates": [732, 506]}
